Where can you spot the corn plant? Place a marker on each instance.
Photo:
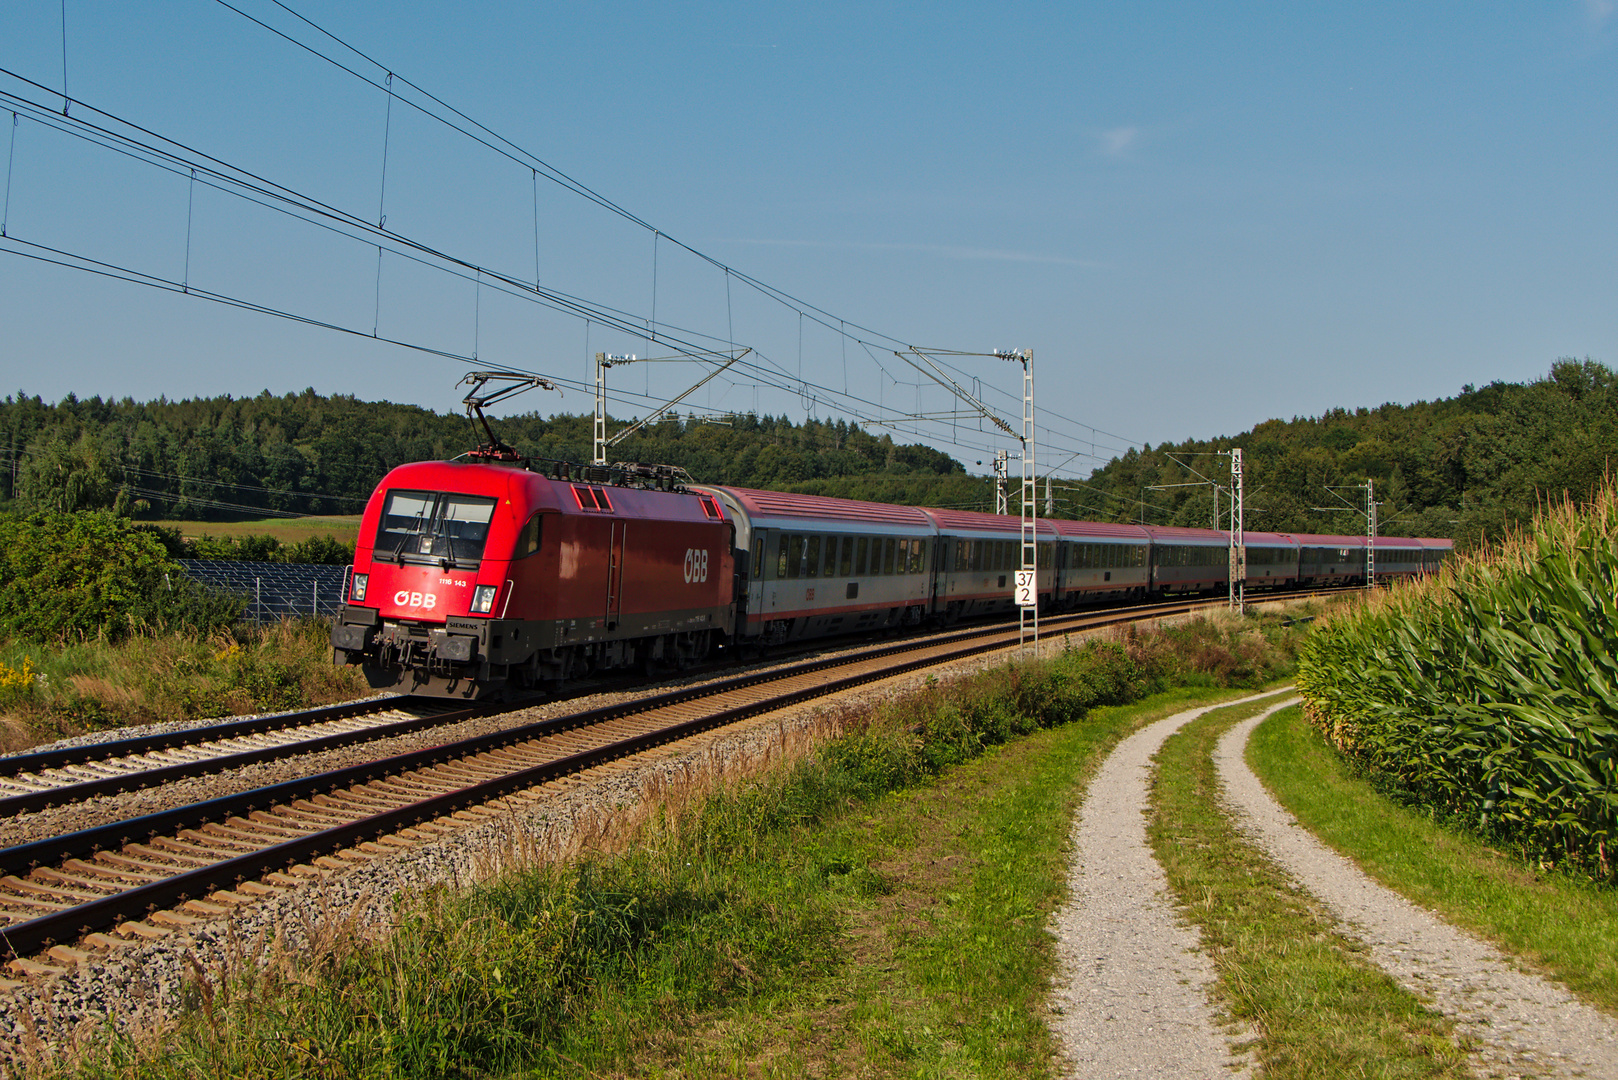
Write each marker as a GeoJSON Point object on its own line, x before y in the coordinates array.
{"type": "Point", "coordinates": [1490, 691]}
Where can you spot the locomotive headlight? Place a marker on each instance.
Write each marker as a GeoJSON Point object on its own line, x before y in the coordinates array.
{"type": "Point", "coordinates": [356, 589]}
{"type": "Point", "coordinates": [483, 599]}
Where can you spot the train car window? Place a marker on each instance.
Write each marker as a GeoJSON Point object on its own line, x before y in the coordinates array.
{"type": "Point", "coordinates": [811, 558]}
{"type": "Point", "coordinates": [795, 556]}
{"type": "Point", "coordinates": [829, 567]}
{"type": "Point", "coordinates": [862, 548]}
{"type": "Point", "coordinates": [889, 546]}
{"type": "Point", "coordinates": [845, 561]}
{"type": "Point", "coordinates": [528, 539]}
{"type": "Point", "coordinates": [758, 557]}
{"type": "Point", "coordinates": [921, 556]}
{"type": "Point", "coordinates": [781, 560]}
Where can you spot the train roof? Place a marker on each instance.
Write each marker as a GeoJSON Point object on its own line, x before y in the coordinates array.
{"type": "Point", "coordinates": [961, 521]}
{"type": "Point", "coordinates": [1330, 540]}
{"type": "Point", "coordinates": [1399, 542]}
{"type": "Point", "coordinates": [1102, 530]}
{"type": "Point", "coordinates": [1179, 534]}
{"type": "Point", "coordinates": [777, 509]}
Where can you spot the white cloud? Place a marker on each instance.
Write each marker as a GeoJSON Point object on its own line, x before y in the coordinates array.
{"type": "Point", "coordinates": [1118, 142]}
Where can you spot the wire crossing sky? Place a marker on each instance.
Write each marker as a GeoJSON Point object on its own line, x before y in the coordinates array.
{"type": "Point", "coordinates": [1197, 217]}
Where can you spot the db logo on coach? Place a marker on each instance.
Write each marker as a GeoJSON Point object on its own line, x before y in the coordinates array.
{"type": "Point", "coordinates": [405, 598]}
{"type": "Point", "coordinates": [696, 565]}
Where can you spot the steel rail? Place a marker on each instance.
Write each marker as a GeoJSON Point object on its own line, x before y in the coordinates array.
{"type": "Point", "coordinates": [88, 752]}
{"type": "Point", "coordinates": [34, 935]}
{"type": "Point", "coordinates": [78, 791]}
{"type": "Point", "coordinates": [163, 774]}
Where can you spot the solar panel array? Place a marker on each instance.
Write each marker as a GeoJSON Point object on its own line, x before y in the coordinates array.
{"type": "Point", "coordinates": [275, 590]}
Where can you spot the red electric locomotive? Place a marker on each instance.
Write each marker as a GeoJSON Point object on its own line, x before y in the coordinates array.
{"type": "Point", "coordinates": [476, 577]}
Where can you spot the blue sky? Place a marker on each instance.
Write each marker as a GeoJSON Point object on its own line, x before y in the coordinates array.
{"type": "Point", "coordinates": [1199, 215]}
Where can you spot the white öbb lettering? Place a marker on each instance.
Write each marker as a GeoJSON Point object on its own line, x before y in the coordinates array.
{"type": "Point", "coordinates": [696, 565]}
{"type": "Point", "coordinates": [406, 598]}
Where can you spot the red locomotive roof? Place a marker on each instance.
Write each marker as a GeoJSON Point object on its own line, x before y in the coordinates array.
{"type": "Point", "coordinates": [954, 521]}
{"type": "Point", "coordinates": [542, 492]}
{"type": "Point", "coordinates": [777, 504]}
{"type": "Point", "coordinates": [1330, 540]}
{"type": "Point", "coordinates": [1430, 542]}
{"type": "Point", "coordinates": [1398, 542]}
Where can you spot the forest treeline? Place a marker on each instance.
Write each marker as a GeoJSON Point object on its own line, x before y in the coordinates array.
{"type": "Point", "coordinates": [224, 457]}
{"type": "Point", "coordinates": [1466, 466]}
{"type": "Point", "coordinates": [1470, 466]}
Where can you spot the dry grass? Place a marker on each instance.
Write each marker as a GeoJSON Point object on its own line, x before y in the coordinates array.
{"type": "Point", "coordinates": [286, 530]}
{"type": "Point", "coordinates": [86, 686]}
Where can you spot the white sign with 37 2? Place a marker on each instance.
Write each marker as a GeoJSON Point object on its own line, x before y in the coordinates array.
{"type": "Point", "coordinates": [1024, 589]}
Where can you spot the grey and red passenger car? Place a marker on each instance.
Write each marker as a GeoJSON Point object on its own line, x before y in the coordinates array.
{"type": "Point", "coordinates": [477, 577]}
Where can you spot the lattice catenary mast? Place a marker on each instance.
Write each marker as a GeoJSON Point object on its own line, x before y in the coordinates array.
{"type": "Point", "coordinates": [1238, 537]}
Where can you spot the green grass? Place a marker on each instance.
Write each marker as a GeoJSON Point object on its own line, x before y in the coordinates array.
{"type": "Point", "coordinates": [72, 687]}
{"type": "Point", "coordinates": [944, 894]}
{"type": "Point", "coordinates": [1319, 1007]}
{"type": "Point", "coordinates": [877, 909]}
{"type": "Point", "coordinates": [1567, 928]}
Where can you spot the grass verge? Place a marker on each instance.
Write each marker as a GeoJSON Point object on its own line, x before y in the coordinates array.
{"type": "Point", "coordinates": [48, 691]}
{"type": "Point", "coordinates": [1318, 1005]}
{"type": "Point", "coordinates": [878, 909]}
{"type": "Point", "coordinates": [1566, 927]}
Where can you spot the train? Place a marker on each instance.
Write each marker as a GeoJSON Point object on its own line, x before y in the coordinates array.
{"type": "Point", "coordinates": [489, 576]}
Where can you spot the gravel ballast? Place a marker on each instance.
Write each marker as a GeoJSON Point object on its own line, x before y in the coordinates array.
{"type": "Point", "coordinates": [138, 988]}
{"type": "Point", "coordinates": [1521, 1024]}
{"type": "Point", "coordinates": [1131, 993]}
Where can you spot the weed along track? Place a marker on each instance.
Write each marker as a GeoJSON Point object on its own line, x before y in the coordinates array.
{"type": "Point", "coordinates": [64, 898]}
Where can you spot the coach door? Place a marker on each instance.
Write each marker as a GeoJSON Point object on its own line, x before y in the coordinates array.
{"type": "Point", "coordinates": [615, 573]}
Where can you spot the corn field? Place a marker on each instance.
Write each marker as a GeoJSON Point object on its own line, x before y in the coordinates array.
{"type": "Point", "coordinates": [1489, 692]}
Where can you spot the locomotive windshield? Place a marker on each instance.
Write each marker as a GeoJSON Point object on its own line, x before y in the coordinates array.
{"type": "Point", "coordinates": [434, 526]}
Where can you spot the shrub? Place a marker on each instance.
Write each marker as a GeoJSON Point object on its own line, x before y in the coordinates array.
{"type": "Point", "coordinates": [94, 574]}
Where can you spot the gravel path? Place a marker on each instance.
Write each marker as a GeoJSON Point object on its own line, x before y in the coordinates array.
{"type": "Point", "coordinates": [1131, 994]}
{"type": "Point", "coordinates": [1521, 1024]}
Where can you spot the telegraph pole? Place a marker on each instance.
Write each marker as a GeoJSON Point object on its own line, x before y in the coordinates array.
{"type": "Point", "coordinates": [1370, 533]}
{"type": "Point", "coordinates": [1238, 537]}
{"type": "Point", "coordinates": [1001, 504]}
{"type": "Point", "coordinates": [598, 453]}
{"type": "Point", "coordinates": [1028, 614]}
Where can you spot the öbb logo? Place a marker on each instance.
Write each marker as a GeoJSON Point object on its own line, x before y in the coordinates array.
{"type": "Point", "coordinates": [406, 598]}
{"type": "Point", "coordinates": [696, 565]}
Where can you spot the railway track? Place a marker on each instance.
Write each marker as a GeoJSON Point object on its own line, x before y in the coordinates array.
{"type": "Point", "coordinates": [63, 898]}
{"type": "Point", "coordinates": [36, 781]}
